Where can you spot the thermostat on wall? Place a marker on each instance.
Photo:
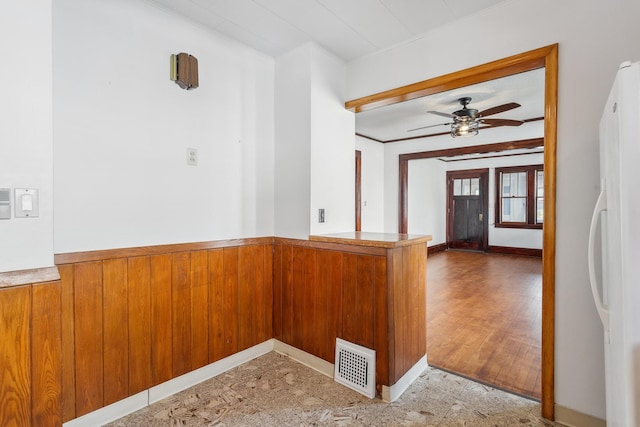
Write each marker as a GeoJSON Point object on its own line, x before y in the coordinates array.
{"type": "Point", "coordinates": [5, 203]}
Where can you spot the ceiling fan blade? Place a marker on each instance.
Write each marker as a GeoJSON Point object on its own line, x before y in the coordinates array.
{"type": "Point", "coordinates": [426, 127]}
{"type": "Point", "coordinates": [451, 116]}
{"type": "Point", "coordinates": [501, 122]}
{"type": "Point", "coordinates": [498, 109]}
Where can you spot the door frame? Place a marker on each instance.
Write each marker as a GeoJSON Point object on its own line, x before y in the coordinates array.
{"type": "Point", "coordinates": [484, 188]}
{"type": "Point", "coordinates": [544, 57]}
{"type": "Point", "coordinates": [358, 190]}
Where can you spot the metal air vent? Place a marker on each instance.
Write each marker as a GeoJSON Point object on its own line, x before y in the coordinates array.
{"type": "Point", "coordinates": [355, 367]}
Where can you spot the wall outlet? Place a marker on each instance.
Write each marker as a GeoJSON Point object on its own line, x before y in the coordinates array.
{"type": "Point", "coordinates": [192, 157]}
{"type": "Point", "coordinates": [320, 215]}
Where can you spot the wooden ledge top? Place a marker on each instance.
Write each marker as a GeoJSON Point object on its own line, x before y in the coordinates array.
{"type": "Point", "coordinates": [27, 277]}
{"type": "Point", "coordinates": [380, 240]}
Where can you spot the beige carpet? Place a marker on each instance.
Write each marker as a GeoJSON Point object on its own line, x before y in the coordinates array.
{"type": "Point", "coordinates": [274, 390]}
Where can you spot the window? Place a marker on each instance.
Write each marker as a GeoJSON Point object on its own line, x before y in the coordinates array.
{"type": "Point", "coordinates": [466, 186]}
{"type": "Point", "coordinates": [520, 196]}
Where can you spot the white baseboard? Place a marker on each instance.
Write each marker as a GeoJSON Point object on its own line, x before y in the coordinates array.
{"type": "Point", "coordinates": [112, 412]}
{"type": "Point", "coordinates": [138, 401]}
{"type": "Point", "coordinates": [389, 394]}
{"type": "Point", "coordinates": [571, 418]}
{"type": "Point", "coordinates": [192, 378]}
{"type": "Point", "coordinates": [305, 358]}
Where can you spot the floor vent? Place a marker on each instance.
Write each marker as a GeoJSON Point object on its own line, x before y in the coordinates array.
{"type": "Point", "coordinates": [355, 367]}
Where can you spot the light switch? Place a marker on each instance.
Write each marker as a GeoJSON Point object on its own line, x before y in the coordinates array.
{"type": "Point", "coordinates": [26, 202]}
{"type": "Point", "coordinates": [5, 203]}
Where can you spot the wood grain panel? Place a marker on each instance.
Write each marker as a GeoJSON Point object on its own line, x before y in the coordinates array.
{"type": "Point", "coordinates": [357, 300]}
{"type": "Point", "coordinates": [329, 301]}
{"type": "Point", "coordinates": [115, 330]}
{"type": "Point", "coordinates": [363, 305]}
{"type": "Point", "coordinates": [139, 325]}
{"type": "Point", "coordinates": [302, 303]}
{"type": "Point", "coordinates": [181, 312]}
{"type": "Point", "coordinates": [68, 343]}
{"type": "Point", "coordinates": [88, 337]}
{"type": "Point", "coordinates": [277, 292]}
{"type": "Point", "coordinates": [267, 332]}
{"type": "Point", "coordinates": [247, 305]}
{"type": "Point", "coordinates": [199, 309]}
{"type": "Point", "coordinates": [397, 315]}
{"type": "Point", "coordinates": [46, 355]}
{"type": "Point", "coordinates": [255, 262]}
{"type": "Point", "coordinates": [414, 268]}
{"type": "Point", "coordinates": [15, 382]}
{"type": "Point", "coordinates": [287, 295]}
{"type": "Point", "coordinates": [382, 334]}
{"type": "Point", "coordinates": [410, 297]}
{"type": "Point", "coordinates": [349, 294]}
{"type": "Point", "coordinates": [161, 320]}
{"type": "Point", "coordinates": [216, 304]}
{"type": "Point", "coordinates": [307, 307]}
{"type": "Point", "coordinates": [230, 302]}
{"type": "Point", "coordinates": [100, 255]}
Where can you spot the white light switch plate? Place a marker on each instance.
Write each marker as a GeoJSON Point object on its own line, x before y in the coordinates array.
{"type": "Point", "coordinates": [26, 202]}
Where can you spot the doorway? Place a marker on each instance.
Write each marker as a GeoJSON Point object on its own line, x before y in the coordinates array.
{"type": "Point", "coordinates": [546, 58]}
{"type": "Point", "coordinates": [467, 209]}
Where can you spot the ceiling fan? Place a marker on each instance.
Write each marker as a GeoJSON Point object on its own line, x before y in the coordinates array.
{"type": "Point", "coordinates": [467, 121]}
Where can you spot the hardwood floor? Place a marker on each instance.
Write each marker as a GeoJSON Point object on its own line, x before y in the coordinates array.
{"type": "Point", "coordinates": [484, 318]}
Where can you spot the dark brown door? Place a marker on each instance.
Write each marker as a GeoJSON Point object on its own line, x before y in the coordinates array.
{"type": "Point", "coordinates": [467, 224]}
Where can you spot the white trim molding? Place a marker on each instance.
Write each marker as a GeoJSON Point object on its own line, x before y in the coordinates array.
{"type": "Point", "coordinates": [571, 418]}
{"type": "Point", "coordinates": [307, 359]}
{"type": "Point", "coordinates": [391, 393]}
{"type": "Point", "coordinates": [145, 398]}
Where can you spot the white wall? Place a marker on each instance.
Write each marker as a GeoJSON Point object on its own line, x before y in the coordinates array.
{"type": "Point", "coordinates": [427, 199]}
{"type": "Point", "coordinates": [315, 146]}
{"type": "Point", "coordinates": [588, 60]}
{"type": "Point", "coordinates": [121, 130]}
{"type": "Point", "coordinates": [372, 185]}
{"type": "Point", "coordinates": [25, 130]}
{"type": "Point", "coordinates": [332, 146]}
{"type": "Point", "coordinates": [292, 152]}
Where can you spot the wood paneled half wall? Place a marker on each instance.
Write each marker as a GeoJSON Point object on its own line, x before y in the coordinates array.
{"type": "Point", "coordinates": [30, 337]}
{"type": "Point", "coordinates": [107, 325]}
{"type": "Point", "coordinates": [134, 318]}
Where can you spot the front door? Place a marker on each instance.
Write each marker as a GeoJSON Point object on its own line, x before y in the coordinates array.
{"type": "Point", "coordinates": [467, 208]}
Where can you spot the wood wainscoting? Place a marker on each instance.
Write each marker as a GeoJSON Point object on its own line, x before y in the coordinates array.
{"type": "Point", "coordinates": [372, 296]}
{"type": "Point", "coordinates": [30, 352]}
{"type": "Point", "coordinates": [114, 323]}
{"type": "Point", "coordinates": [134, 318]}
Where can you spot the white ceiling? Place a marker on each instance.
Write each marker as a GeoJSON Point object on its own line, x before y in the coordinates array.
{"type": "Point", "coordinates": [348, 28]}
{"type": "Point", "coordinates": [354, 28]}
{"type": "Point", "coordinates": [393, 122]}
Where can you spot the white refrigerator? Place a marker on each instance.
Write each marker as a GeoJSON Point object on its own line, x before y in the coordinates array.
{"type": "Point", "coordinates": [617, 211]}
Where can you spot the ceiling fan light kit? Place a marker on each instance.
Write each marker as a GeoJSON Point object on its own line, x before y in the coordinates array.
{"type": "Point", "coordinates": [467, 121]}
{"type": "Point", "coordinates": [464, 128]}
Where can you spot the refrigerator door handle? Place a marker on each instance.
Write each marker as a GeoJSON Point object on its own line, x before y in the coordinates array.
{"type": "Point", "coordinates": [603, 310]}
